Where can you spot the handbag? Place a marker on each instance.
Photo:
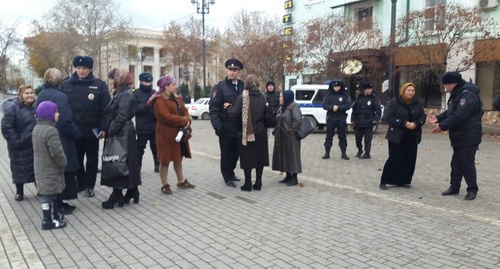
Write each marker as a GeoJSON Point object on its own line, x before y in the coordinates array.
{"type": "Point", "coordinates": [114, 158]}
{"type": "Point", "coordinates": [305, 129]}
{"type": "Point", "coordinates": [188, 133]}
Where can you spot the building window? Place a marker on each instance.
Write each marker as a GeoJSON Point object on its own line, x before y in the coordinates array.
{"type": "Point", "coordinates": [434, 14]}
{"type": "Point", "coordinates": [364, 17]}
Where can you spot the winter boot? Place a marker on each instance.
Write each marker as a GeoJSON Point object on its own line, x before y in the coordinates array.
{"type": "Point", "coordinates": [132, 194]}
{"type": "Point", "coordinates": [293, 180]}
{"type": "Point", "coordinates": [359, 153]}
{"type": "Point", "coordinates": [116, 197]}
{"type": "Point", "coordinates": [344, 155]}
{"type": "Point", "coordinates": [286, 179]}
{"type": "Point", "coordinates": [56, 212]}
{"type": "Point", "coordinates": [365, 156]}
{"type": "Point", "coordinates": [327, 154]}
{"type": "Point", "coordinates": [48, 222]}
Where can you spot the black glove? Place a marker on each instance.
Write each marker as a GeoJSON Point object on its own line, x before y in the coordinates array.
{"type": "Point", "coordinates": [218, 132]}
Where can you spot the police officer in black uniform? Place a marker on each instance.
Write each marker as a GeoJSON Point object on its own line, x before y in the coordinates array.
{"type": "Point", "coordinates": [226, 128]}
{"type": "Point", "coordinates": [336, 103]}
{"type": "Point", "coordinates": [366, 112]}
{"type": "Point", "coordinates": [462, 120]}
{"type": "Point", "coordinates": [145, 119]}
{"type": "Point", "coordinates": [88, 98]}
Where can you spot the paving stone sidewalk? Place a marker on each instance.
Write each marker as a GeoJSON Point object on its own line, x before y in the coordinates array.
{"type": "Point", "coordinates": [337, 219]}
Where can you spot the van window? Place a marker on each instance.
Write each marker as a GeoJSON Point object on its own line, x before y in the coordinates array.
{"type": "Point", "coordinates": [320, 96]}
{"type": "Point", "coordinates": [304, 95]}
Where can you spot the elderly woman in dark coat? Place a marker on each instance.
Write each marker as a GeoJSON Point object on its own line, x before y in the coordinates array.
{"type": "Point", "coordinates": [17, 124]}
{"type": "Point", "coordinates": [405, 115]}
{"type": "Point", "coordinates": [286, 152]}
{"type": "Point", "coordinates": [121, 110]}
{"type": "Point", "coordinates": [250, 109]}
{"type": "Point", "coordinates": [171, 117]}
{"type": "Point", "coordinates": [68, 133]}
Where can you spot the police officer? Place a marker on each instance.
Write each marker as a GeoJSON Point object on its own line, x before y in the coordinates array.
{"type": "Point", "coordinates": [366, 112]}
{"type": "Point", "coordinates": [226, 128]}
{"type": "Point", "coordinates": [462, 120]}
{"type": "Point", "coordinates": [336, 103]}
{"type": "Point", "coordinates": [88, 98]}
{"type": "Point", "coordinates": [145, 119]}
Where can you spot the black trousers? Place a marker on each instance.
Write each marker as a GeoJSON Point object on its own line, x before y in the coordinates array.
{"type": "Point", "coordinates": [367, 133]}
{"type": "Point", "coordinates": [341, 126]}
{"type": "Point", "coordinates": [462, 165]}
{"type": "Point", "coordinates": [87, 148]}
{"type": "Point", "coordinates": [142, 140]}
{"type": "Point", "coordinates": [70, 191]}
{"type": "Point", "coordinates": [229, 154]}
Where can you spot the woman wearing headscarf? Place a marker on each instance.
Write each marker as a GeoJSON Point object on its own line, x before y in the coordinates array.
{"type": "Point", "coordinates": [250, 109]}
{"type": "Point", "coordinates": [405, 116]}
{"type": "Point", "coordinates": [121, 110]}
{"type": "Point", "coordinates": [68, 132]}
{"type": "Point", "coordinates": [171, 117]}
{"type": "Point", "coordinates": [18, 122]}
{"type": "Point", "coordinates": [286, 152]}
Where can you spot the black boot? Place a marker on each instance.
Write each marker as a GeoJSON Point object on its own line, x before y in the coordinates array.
{"type": "Point", "coordinates": [49, 222]}
{"type": "Point", "coordinates": [132, 194]}
{"type": "Point", "coordinates": [116, 197]}
{"type": "Point", "coordinates": [56, 213]}
{"type": "Point", "coordinates": [327, 154]}
{"type": "Point", "coordinates": [365, 156]}
{"type": "Point", "coordinates": [344, 155]}
{"type": "Point", "coordinates": [293, 180]}
{"type": "Point", "coordinates": [248, 180]}
{"type": "Point", "coordinates": [19, 192]}
{"type": "Point", "coordinates": [286, 179]}
{"type": "Point", "coordinates": [359, 153]}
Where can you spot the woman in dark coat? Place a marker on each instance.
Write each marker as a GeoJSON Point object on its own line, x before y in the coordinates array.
{"type": "Point", "coordinates": [121, 110]}
{"type": "Point", "coordinates": [68, 133]}
{"type": "Point", "coordinates": [250, 109]}
{"type": "Point", "coordinates": [406, 117]}
{"type": "Point", "coordinates": [286, 152]}
{"type": "Point", "coordinates": [171, 117]}
{"type": "Point", "coordinates": [18, 122]}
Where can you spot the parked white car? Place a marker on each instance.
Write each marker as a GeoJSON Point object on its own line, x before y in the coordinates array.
{"type": "Point", "coordinates": [199, 109]}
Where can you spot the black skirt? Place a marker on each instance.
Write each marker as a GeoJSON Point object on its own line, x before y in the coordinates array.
{"type": "Point", "coordinates": [400, 166]}
{"type": "Point", "coordinates": [255, 154]}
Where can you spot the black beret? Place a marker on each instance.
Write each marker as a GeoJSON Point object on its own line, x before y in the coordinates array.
{"type": "Point", "coordinates": [451, 77]}
{"type": "Point", "coordinates": [145, 76]}
{"type": "Point", "coordinates": [234, 64]}
{"type": "Point", "coordinates": [84, 61]}
{"type": "Point", "coordinates": [367, 85]}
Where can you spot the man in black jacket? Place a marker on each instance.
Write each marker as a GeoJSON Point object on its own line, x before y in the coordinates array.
{"type": "Point", "coordinates": [272, 95]}
{"type": "Point", "coordinates": [336, 103]}
{"type": "Point", "coordinates": [88, 98]}
{"type": "Point", "coordinates": [145, 119]}
{"type": "Point", "coordinates": [462, 120]}
{"type": "Point", "coordinates": [226, 128]}
{"type": "Point", "coordinates": [365, 113]}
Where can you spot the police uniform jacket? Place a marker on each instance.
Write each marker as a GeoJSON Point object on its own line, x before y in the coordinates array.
{"type": "Point", "coordinates": [341, 99]}
{"type": "Point", "coordinates": [88, 98]}
{"type": "Point", "coordinates": [365, 110]}
{"type": "Point", "coordinates": [145, 119]}
{"type": "Point", "coordinates": [398, 113]}
{"type": "Point", "coordinates": [463, 117]}
{"type": "Point", "coordinates": [224, 92]}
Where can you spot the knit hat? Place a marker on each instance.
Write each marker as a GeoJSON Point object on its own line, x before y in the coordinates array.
{"type": "Point", "coordinates": [84, 61]}
{"type": "Point", "coordinates": [46, 110]}
{"type": "Point", "coordinates": [145, 76]}
{"type": "Point", "coordinates": [451, 77]}
{"type": "Point", "coordinates": [270, 82]}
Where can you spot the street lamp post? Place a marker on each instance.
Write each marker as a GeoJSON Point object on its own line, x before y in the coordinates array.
{"type": "Point", "coordinates": [203, 8]}
{"type": "Point", "coordinates": [392, 45]}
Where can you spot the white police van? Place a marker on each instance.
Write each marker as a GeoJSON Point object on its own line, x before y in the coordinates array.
{"type": "Point", "coordinates": [310, 100]}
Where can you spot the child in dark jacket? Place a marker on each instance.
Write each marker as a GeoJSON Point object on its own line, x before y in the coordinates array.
{"type": "Point", "coordinates": [50, 161]}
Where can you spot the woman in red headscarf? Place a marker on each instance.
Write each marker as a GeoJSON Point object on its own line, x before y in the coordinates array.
{"type": "Point", "coordinates": [121, 110]}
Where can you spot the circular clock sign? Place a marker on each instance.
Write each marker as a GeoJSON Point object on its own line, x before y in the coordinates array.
{"type": "Point", "coordinates": [351, 66]}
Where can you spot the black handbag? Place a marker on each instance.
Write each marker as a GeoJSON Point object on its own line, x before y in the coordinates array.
{"type": "Point", "coordinates": [114, 158]}
{"type": "Point", "coordinates": [305, 129]}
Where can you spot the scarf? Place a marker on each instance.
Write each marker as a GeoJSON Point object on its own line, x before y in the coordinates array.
{"type": "Point", "coordinates": [403, 90]}
{"type": "Point", "coordinates": [248, 135]}
{"type": "Point", "coordinates": [121, 79]}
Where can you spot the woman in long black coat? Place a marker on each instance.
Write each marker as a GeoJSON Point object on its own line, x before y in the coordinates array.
{"type": "Point", "coordinates": [17, 124]}
{"type": "Point", "coordinates": [121, 110]}
{"type": "Point", "coordinates": [250, 109]}
{"type": "Point", "coordinates": [406, 116]}
{"type": "Point", "coordinates": [68, 133]}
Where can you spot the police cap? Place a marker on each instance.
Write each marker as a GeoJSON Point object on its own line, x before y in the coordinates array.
{"type": "Point", "coordinates": [367, 85]}
{"type": "Point", "coordinates": [234, 64]}
{"type": "Point", "coordinates": [145, 76]}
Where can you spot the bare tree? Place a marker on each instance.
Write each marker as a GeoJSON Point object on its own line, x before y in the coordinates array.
{"type": "Point", "coordinates": [97, 21]}
{"type": "Point", "coordinates": [8, 39]}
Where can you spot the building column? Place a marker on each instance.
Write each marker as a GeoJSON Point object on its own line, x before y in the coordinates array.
{"type": "Point", "coordinates": [156, 65]}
